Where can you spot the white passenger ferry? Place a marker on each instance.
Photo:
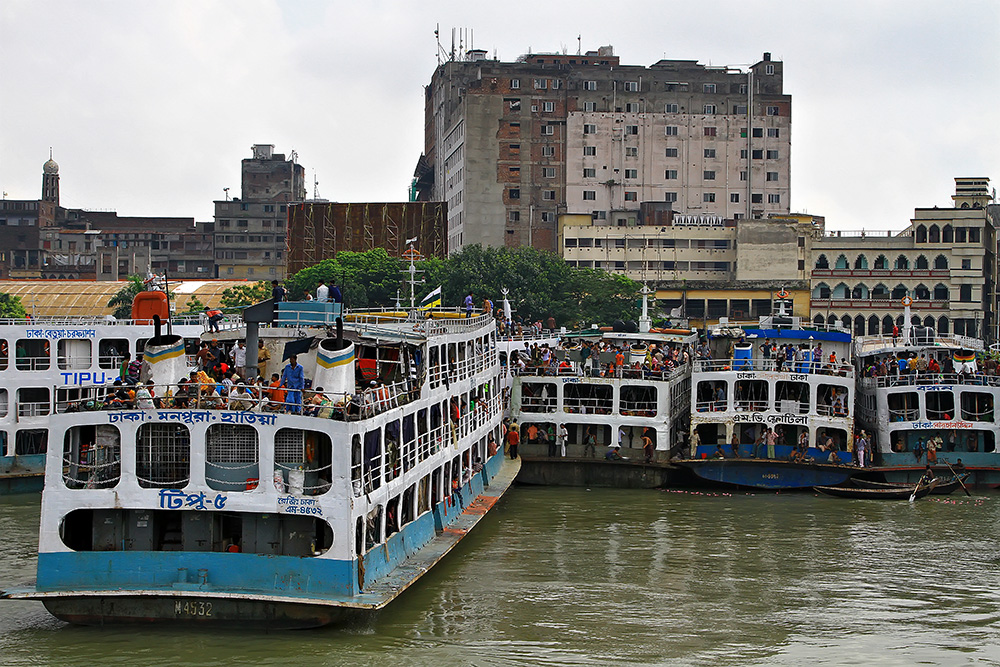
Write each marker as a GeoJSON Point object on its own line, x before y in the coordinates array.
{"type": "Point", "coordinates": [268, 512]}
{"type": "Point", "coordinates": [772, 403]}
{"type": "Point", "coordinates": [608, 388]}
{"type": "Point", "coordinates": [44, 361]}
{"type": "Point", "coordinates": [924, 400]}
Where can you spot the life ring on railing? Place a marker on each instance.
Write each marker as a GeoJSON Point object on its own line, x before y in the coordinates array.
{"type": "Point", "coordinates": [310, 450]}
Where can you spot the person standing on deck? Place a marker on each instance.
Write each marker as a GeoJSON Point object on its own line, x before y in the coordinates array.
{"type": "Point", "coordinates": [513, 439]}
{"type": "Point", "coordinates": [322, 292]}
{"type": "Point", "coordinates": [294, 380]}
{"type": "Point", "coordinates": [590, 442]}
{"type": "Point", "coordinates": [861, 447]}
{"type": "Point", "coordinates": [240, 359]}
{"type": "Point", "coordinates": [468, 305]}
{"type": "Point", "coordinates": [562, 435]}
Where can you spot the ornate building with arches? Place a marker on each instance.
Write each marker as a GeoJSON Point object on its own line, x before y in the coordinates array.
{"type": "Point", "coordinates": [945, 260]}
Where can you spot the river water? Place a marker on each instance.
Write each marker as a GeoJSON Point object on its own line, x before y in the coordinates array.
{"type": "Point", "coordinates": [557, 576]}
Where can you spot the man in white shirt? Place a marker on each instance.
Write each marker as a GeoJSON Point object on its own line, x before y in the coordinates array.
{"type": "Point", "coordinates": [240, 359]}
{"type": "Point", "coordinates": [322, 292]}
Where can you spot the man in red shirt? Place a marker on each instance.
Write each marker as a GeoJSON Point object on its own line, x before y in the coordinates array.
{"type": "Point", "coordinates": [513, 439]}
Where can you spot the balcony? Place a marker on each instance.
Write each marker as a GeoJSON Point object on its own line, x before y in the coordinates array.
{"type": "Point", "coordinates": [875, 304]}
{"type": "Point", "coordinates": [880, 273]}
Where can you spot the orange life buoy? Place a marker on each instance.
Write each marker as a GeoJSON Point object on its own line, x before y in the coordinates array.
{"type": "Point", "coordinates": [310, 450]}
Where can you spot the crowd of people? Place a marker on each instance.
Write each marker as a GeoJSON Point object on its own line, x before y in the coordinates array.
{"type": "Point", "coordinates": [598, 359]}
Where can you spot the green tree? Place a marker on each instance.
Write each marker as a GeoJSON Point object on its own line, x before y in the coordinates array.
{"type": "Point", "coordinates": [367, 279]}
{"type": "Point", "coordinates": [194, 307]}
{"type": "Point", "coordinates": [11, 306]}
{"type": "Point", "coordinates": [122, 300]}
{"type": "Point", "coordinates": [247, 294]}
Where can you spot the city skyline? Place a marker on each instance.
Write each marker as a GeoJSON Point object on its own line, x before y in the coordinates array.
{"type": "Point", "coordinates": [149, 108]}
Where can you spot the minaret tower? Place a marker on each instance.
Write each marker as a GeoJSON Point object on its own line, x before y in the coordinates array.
{"type": "Point", "coordinates": [50, 180]}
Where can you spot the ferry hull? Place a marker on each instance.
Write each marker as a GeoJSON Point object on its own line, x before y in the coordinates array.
{"type": "Point", "coordinates": [762, 474]}
{"type": "Point", "coordinates": [194, 611]}
{"type": "Point", "coordinates": [21, 474]}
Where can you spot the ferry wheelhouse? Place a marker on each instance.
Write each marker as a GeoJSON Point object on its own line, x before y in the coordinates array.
{"type": "Point", "coordinates": [923, 391]}
{"type": "Point", "coordinates": [44, 362]}
{"type": "Point", "coordinates": [282, 514]}
{"type": "Point", "coordinates": [772, 403]}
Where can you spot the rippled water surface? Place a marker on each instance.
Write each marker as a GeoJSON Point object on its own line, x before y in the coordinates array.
{"type": "Point", "coordinates": [560, 576]}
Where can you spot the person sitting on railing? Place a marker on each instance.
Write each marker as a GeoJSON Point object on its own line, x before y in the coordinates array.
{"type": "Point", "coordinates": [275, 395]}
{"type": "Point", "coordinates": [119, 398]}
{"type": "Point", "coordinates": [241, 400]}
{"type": "Point", "coordinates": [312, 404]}
{"type": "Point", "coordinates": [184, 396]}
{"type": "Point", "coordinates": [144, 396]}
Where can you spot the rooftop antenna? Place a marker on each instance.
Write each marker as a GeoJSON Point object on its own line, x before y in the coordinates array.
{"type": "Point", "coordinates": [579, 44]}
{"type": "Point", "coordinates": [315, 186]}
{"type": "Point", "coordinates": [412, 254]}
{"type": "Point", "coordinates": [226, 190]}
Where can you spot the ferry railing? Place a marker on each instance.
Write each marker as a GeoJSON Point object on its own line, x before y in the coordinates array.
{"type": "Point", "coordinates": [588, 406]}
{"type": "Point", "coordinates": [638, 408]}
{"type": "Point", "coordinates": [78, 362]}
{"type": "Point", "coordinates": [712, 405]}
{"type": "Point", "coordinates": [33, 409]}
{"type": "Point", "coordinates": [33, 363]}
{"type": "Point", "coordinates": [790, 367]}
{"type": "Point", "coordinates": [104, 320]}
{"type": "Point", "coordinates": [925, 378]}
{"type": "Point", "coordinates": [873, 343]}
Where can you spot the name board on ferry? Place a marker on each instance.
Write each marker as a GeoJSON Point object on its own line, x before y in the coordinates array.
{"type": "Point", "coordinates": [191, 417]}
{"type": "Point", "coordinates": [175, 499]}
{"type": "Point", "coordinates": [761, 418]}
{"type": "Point", "coordinates": [61, 333]}
{"type": "Point", "coordinates": [943, 425]}
{"type": "Point", "coordinates": [303, 506]}
{"type": "Point", "coordinates": [764, 375]}
{"type": "Point", "coordinates": [88, 377]}
{"type": "Point", "coordinates": [577, 380]}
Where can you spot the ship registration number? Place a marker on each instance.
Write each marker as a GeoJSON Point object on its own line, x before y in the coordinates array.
{"type": "Point", "coordinates": [192, 608]}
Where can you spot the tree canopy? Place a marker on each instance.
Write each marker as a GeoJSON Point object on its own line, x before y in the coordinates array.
{"type": "Point", "coordinates": [11, 306]}
{"type": "Point", "coordinates": [122, 300]}
{"type": "Point", "coordinates": [241, 296]}
{"type": "Point", "coordinates": [540, 283]}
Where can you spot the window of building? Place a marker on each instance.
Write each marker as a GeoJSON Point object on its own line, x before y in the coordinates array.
{"type": "Point", "coordinates": [709, 175]}
{"type": "Point", "coordinates": [709, 110]}
{"type": "Point", "coordinates": [710, 131]}
{"type": "Point", "coordinates": [590, 151]}
{"type": "Point", "coordinates": [549, 107]}
{"type": "Point", "coordinates": [631, 196]}
{"type": "Point", "coordinates": [671, 131]}
{"type": "Point", "coordinates": [556, 84]}
{"type": "Point", "coordinates": [772, 155]}
{"type": "Point", "coordinates": [774, 199]}
{"type": "Point", "coordinates": [734, 198]}
{"type": "Point", "coordinates": [548, 195]}
{"type": "Point", "coordinates": [670, 108]}
{"type": "Point", "coordinates": [514, 216]}
{"type": "Point", "coordinates": [772, 175]}
{"type": "Point", "coordinates": [768, 69]}
{"type": "Point", "coordinates": [548, 129]}
{"type": "Point", "coordinates": [631, 86]}
{"type": "Point", "coordinates": [709, 152]}
{"type": "Point", "coordinates": [757, 154]}
{"type": "Point", "coordinates": [669, 196]}
{"type": "Point", "coordinates": [756, 199]}
{"type": "Point", "coordinates": [590, 85]}
{"type": "Point", "coordinates": [590, 173]}
{"type": "Point", "coordinates": [758, 132]}
{"type": "Point", "coordinates": [631, 173]}
{"type": "Point", "coordinates": [740, 109]}
{"type": "Point", "coordinates": [632, 129]}
{"type": "Point", "coordinates": [743, 154]}
{"type": "Point", "coordinates": [631, 107]}
{"type": "Point", "coordinates": [589, 128]}
{"type": "Point", "coordinates": [743, 175]}
{"type": "Point", "coordinates": [541, 84]}
{"type": "Point", "coordinates": [514, 193]}
{"type": "Point", "coordinates": [548, 151]}
{"type": "Point", "coordinates": [670, 175]}
{"type": "Point", "coordinates": [708, 87]}
{"type": "Point", "coordinates": [548, 172]}
{"type": "Point", "coordinates": [590, 106]}
{"type": "Point", "coordinates": [974, 235]}
{"type": "Point", "coordinates": [772, 111]}
{"type": "Point", "coordinates": [515, 83]}
{"type": "Point", "coordinates": [548, 216]}
{"type": "Point", "coordinates": [589, 195]}
{"type": "Point", "coordinates": [631, 151]}
{"type": "Point", "coordinates": [965, 293]}
{"type": "Point", "coordinates": [966, 264]}
{"type": "Point", "coordinates": [708, 197]}
{"type": "Point", "coordinates": [773, 132]}
{"type": "Point", "coordinates": [671, 152]}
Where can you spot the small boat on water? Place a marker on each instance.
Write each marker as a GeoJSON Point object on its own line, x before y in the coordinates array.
{"type": "Point", "coordinates": [899, 493]}
{"type": "Point", "coordinates": [944, 487]}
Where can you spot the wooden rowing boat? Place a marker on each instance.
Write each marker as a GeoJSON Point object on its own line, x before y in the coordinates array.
{"type": "Point", "coordinates": [898, 493]}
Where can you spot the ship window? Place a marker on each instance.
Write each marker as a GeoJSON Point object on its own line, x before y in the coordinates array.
{"type": "Point", "coordinates": [33, 402]}
{"type": "Point", "coordinates": [435, 366]}
{"type": "Point", "coordinates": [73, 354]}
{"type": "Point", "coordinates": [392, 517]}
{"type": "Point", "coordinates": [356, 464]}
{"type": "Point", "coordinates": [436, 486]}
{"type": "Point", "coordinates": [406, 505]}
{"type": "Point", "coordinates": [977, 406]}
{"type": "Point", "coordinates": [31, 441]}
{"type": "Point", "coordinates": [391, 450]}
{"type": "Point", "coordinates": [31, 355]}
{"type": "Point", "coordinates": [751, 395]}
{"type": "Point", "coordinates": [373, 527]}
{"type": "Point", "coordinates": [424, 495]}
{"type": "Point", "coordinates": [3, 354]}
{"type": "Point", "coordinates": [92, 457]}
{"type": "Point", "coordinates": [711, 396]}
{"type": "Point", "coordinates": [3, 409]}
{"type": "Point", "coordinates": [792, 398]}
{"type": "Point", "coordinates": [304, 459]}
{"type": "Point", "coordinates": [637, 400]}
{"type": "Point", "coordinates": [409, 443]}
{"type": "Point", "coordinates": [110, 352]}
{"type": "Point", "coordinates": [541, 397]}
{"type": "Point", "coordinates": [832, 400]}
{"type": "Point", "coordinates": [903, 407]}
{"type": "Point", "coordinates": [163, 455]}
{"type": "Point", "coordinates": [424, 439]}
{"type": "Point", "coordinates": [231, 463]}
{"type": "Point", "coordinates": [587, 399]}
{"type": "Point", "coordinates": [373, 460]}
{"type": "Point", "coordinates": [940, 405]}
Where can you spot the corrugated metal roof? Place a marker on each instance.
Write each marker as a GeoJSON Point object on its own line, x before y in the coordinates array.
{"type": "Point", "coordinates": [89, 298]}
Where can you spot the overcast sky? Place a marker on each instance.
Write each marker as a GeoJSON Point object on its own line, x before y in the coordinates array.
{"type": "Point", "coordinates": [149, 106]}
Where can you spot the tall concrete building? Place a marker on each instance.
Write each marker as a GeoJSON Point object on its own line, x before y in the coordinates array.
{"type": "Point", "coordinates": [511, 146]}
{"type": "Point", "coordinates": [250, 231]}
